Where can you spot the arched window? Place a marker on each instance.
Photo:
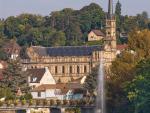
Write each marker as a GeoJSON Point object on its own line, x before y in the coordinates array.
{"type": "Point", "coordinates": [56, 70]}
{"type": "Point", "coordinates": [78, 69]}
{"type": "Point", "coordinates": [70, 69]}
{"type": "Point", "coordinates": [63, 69]}
{"type": "Point", "coordinates": [85, 69]}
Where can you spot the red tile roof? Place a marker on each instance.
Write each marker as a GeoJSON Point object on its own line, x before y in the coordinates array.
{"type": "Point", "coordinates": [98, 32]}
{"type": "Point", "coordinates": [43, 87]}
{"type": "Point", "coordinates": [64, 87]}
{"type": "Point", "coordinates": [122, 47]}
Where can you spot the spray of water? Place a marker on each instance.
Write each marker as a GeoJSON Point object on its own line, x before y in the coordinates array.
{"type": "Point", "coordinates": [100, 102]}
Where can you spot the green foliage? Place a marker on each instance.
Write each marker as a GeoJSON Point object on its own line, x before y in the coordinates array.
{"type": "Point", "coordinates": [3, 55]}
{"type": "Point", "coordinates": [123, 67]}
{"type": "Point", "coordinates": [138, 89]}
{"type": "Point", "coordinates": [139, 41]}
{"type": "Point", "coordinates": [90, 43]}
{"type": "Point", "coordinates": [23, 102]}
{"type": "Point", "coordinates": [118, 14]}
{"type": "Point", "coordinates": [68, 26]}
{"type": "Point", "coordinates": [6, 92]}
{"type": "Point", "coordinates": [127, 71]}
{"type": "Point", "coordinates": [65, 27]}
{"type": "Point", "coordinates": [91, 80]}
{"type": "Point", "coordinates": [58, 39]}
{"type": "Point", "coordinates": [16, 102]}
{"type": "Point", "coordinates": [14, 78]}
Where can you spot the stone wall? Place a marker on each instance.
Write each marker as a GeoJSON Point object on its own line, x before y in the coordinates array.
{"type": "Point", "coordinates": [1, 111]}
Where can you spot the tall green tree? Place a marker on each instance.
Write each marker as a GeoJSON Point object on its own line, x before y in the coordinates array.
{"type": "Point", "coordinates": [138, 90]}
{"type": "Point", "coordinates": [58, 39]}
{"type": "Point", "coordinates": [118, 15]}
{"type": "Point", "coordinates": [14, 78]}
{"type": "Point", "coordinates": [139, 41]}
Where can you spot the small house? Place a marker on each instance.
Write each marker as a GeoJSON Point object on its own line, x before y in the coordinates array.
{"type": "Point", "coordinates": [37, 77]}
{"type": "Point", "coordinates": [96, 35]}
{"type": "Point", "coordinates": [12, 49]}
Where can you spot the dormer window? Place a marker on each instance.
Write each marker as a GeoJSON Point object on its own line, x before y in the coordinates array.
{"type": "Point", "coordinates": [34, 79]}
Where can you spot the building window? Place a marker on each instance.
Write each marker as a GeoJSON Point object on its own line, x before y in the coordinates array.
{"type": "Point", "coordinates": [34, 79]}
{"type": "Point", "coordinates": [78, 69]}
{"type": "Point", "coordinates": [39, 94]}
{"type": "Point", "coordinates": [70, 70]}
{"type": "Point", "coordinates": [108, 33]}
{"type": "Point", "coordinates": [85, 69]}
{"type": "Point", "coordinates": [63, 69]}
{"type": "Point", "coordinates": [56, 70]}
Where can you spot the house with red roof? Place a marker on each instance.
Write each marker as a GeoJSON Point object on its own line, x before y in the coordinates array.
{"type": "Point", "coordinates": [121, 48]}
{"type": "Point", "coordinates": [95, 35]}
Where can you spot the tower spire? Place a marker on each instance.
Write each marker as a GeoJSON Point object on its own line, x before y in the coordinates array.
{"type": "Point", "coordinates": [110, 9]}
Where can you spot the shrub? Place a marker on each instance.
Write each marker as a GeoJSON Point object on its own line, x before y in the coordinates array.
{"type": "Point", "coordinates": [28, 96]}
{"type": "Point", "coordinates": [16, 102]}
{"type": "Point", "coordinates": [23, 102]}
{"type": "Point", "coordinates": [30, 102]}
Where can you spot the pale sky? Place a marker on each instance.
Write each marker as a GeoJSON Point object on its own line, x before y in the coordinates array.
{"type": "Point", "coordinates": [44, 7]}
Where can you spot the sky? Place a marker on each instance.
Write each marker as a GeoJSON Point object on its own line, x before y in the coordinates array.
{"type": "Point", "coordinates": [44, 7]}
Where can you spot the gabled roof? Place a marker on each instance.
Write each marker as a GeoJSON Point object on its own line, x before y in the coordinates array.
{"type": "Point", "coordinates": [66, 50]}
{"type": "Point", "coordinates": [11, 47]}
{"type": "Point", "coordinates": [98, 32]}
{"type": "Point", "coordinates": [36, 74]}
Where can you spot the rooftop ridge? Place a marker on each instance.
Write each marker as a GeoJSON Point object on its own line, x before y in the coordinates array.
{"type": "Point", "coordinates": [69, 46]}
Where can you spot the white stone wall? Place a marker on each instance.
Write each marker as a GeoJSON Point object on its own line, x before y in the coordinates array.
{"type": "Point", "coordinates": [35, 95]}
{"type": "Point", "coordinates": [47, 78]}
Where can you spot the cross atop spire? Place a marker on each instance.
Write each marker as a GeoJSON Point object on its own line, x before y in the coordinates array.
{"type": "Point", "coordinates": [110, 9]}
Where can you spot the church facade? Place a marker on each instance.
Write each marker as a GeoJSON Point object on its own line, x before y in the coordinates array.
{"type": "Point", "coordinates": [72, 63]}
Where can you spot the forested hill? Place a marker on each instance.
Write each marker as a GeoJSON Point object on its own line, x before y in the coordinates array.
{"type": "Point", "coordinates": [65, 27]}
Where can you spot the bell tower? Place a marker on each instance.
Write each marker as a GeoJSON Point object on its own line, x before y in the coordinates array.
{"type": "Point", "coordinates": [111, 27]}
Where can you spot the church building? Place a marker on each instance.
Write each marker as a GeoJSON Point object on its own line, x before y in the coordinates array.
{"type": "Point", "coordinates": [73, 63]}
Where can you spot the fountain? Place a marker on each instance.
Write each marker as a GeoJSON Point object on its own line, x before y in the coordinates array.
{"type": "Point", "coordinates": [100, 101]}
